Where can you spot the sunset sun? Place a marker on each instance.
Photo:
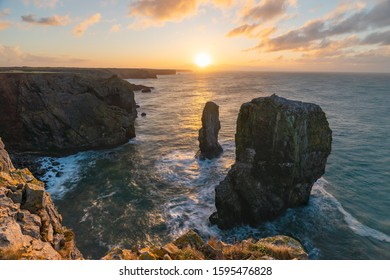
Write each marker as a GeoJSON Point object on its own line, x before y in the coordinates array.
{"type": "Point", "coordinates": [203, 60]}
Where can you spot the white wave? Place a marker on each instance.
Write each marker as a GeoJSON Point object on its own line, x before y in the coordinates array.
{"type": "Point", "coordinates": [194, 203]}
{"type": "Point", "coordinates": [70, 168]}
{"type": "Point", "coordinates": [356, 226]}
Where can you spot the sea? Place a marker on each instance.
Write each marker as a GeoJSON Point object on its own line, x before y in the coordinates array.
{"type": "Point", "coordinates": [153, 189]}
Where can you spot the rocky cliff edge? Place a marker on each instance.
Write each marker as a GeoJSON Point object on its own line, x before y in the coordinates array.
{"type": "Point", "coordinates": [30, 225]}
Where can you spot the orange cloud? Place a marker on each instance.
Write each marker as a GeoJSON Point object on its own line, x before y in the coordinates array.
{"type": "Point", "coordinates": [267, 10]}
{"type": "Point", "coordinates": [14, 56]}
{"type": "Point", "coordinates": [115, 28]}
{"type": "Point", "coordinates": [55, 20]}
{"type": "Point", "coordinates": [4, 25]}
{"type": "Point", "coordinates": [245, 29]}
{"type": "Point", "coordinates": [164, 10]}
{"type": "Point", "coordinates": [157, 12]}
{"type": "Point", "coordinates": [80, 29]}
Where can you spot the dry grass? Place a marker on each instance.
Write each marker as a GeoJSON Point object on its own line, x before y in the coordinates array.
{"type": "Point", "coordinates": [213, 242]}
{"type": "Point", "coordinates": [11, 255]}
{"type": "Point", "coordinates": [257, 251]}
{"type": "Point", "coordinates": [189, 253]}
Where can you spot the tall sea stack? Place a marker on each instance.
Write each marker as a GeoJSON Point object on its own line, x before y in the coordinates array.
{"type": "Point", "coordinates": [281, 150]}
{"type": "Point", "coordinates": [208, 134]}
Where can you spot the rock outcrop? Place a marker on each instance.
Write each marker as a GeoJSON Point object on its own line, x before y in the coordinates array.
{"type": "Point", "coordinates": [5, 161]}
{"type": "Point", "coordinates": [208, 134]}
{"type": "Point", "coordinates": [191, 246]}
{"type": "Point", "coordinates": [59, 113]}
{"type": "Point", "coordinates": [281, 150]}
{"type": "Point", "coordinates": [30, 226]}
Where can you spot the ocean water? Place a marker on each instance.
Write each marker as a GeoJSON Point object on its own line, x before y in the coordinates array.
{"type": "Point", "coordinates": [152, 189]}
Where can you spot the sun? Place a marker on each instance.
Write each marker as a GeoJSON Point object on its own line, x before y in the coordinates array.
{"type": "Point", "coordinates": [203, 60]}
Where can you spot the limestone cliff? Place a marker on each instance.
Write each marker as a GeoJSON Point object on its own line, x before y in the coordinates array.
{"type": "Point", "coordinates": [57, 113]}
{"type": "Point", "coordinates": [281, 150]}
{"type": "Point", "coordinates": [30, 225]}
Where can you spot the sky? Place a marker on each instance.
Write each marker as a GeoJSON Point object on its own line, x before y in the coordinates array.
{"type": "Point", "coordinates": [262, 35]}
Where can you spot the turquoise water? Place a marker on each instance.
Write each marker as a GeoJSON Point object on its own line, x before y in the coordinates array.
{"type": "Point", "coordinates": [153, 189]}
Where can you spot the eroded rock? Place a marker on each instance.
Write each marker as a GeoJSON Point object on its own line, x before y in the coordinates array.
{"type": "Point", "coordinates": [208, 134]}
{"type": "Point", "coordinates": [281, 150]}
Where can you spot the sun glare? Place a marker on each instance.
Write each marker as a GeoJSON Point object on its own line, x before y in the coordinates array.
{"type": "Point", "coordinates": [203, 60]}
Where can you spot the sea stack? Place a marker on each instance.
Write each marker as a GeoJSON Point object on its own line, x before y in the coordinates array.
{"type": "Point", "coordinates": [61, 113]}
{"type": "Point", "coordinates": [208, 134]}
{"type": "Point", "coordinates": [281, 150]}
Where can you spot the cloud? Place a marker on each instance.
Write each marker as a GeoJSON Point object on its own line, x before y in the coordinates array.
{"type": "Point", "coordinates": [5, 12]}
{"type": "Point", "coordinates": [359, 21]}
{"type": "Point", "coordinates": [80, 29]}
{"type": "Point", "coordinates": [267, 10]}
{"type": "Point", "coordinates": [14, 56]}
{"type": "Point", "coordinates": [4, 24]}
{"type": "Point", "coordinates": [55, 20]}
{"type": "Point", "coordinates": [245, 29]}
{"type": "Point", "coordinates": [115, 28]}
{"type": "Point", "coordinates": [157, 12]}
{"type": "Point", "coordinates": [381, 38]}
{"type": "Point", "coordinates": [166, 10]}
{"type": "Point", "coordinates": [42, 3]}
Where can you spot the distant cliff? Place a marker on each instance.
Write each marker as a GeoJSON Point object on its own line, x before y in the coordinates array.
{"type": "Point", "coordinates": [57, 113]}
{"type": "Point", "coordinates": [124, 73]}
{"type": "Point", "coordinates": [30, 226]}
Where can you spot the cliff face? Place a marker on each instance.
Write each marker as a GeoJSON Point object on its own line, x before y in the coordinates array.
{"type": "Point", "coordinates": [281, 150]}
{"type": "Point", "coordinates": [56, 113]}
{"type": "Point", "coordinates": [30, 226]}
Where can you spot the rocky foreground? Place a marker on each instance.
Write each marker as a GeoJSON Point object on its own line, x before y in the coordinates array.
{"type": "Point", "coordinates": [191, 246]}
{"type": "Point", "coordinates": [30, 225]}
{"type": "Point", "coordinates": [31, 229]}
{"type": "Point", "coordinates": [281, 150]}
{"type": "Point", "coordinates": [60, 113]}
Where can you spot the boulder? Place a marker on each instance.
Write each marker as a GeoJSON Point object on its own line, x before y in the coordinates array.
{"type": "Point", "coordinates": [61, 113]}
{"type": "Point", "coordinates": [281, 150]}
{"type": "Point", "coordinates": [33, 198]}
{"type": "Point", "coordinates": [208, 134]}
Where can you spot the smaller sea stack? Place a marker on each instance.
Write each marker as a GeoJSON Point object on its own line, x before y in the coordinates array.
{"type": "Point", "coordinates": [208, 134]}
